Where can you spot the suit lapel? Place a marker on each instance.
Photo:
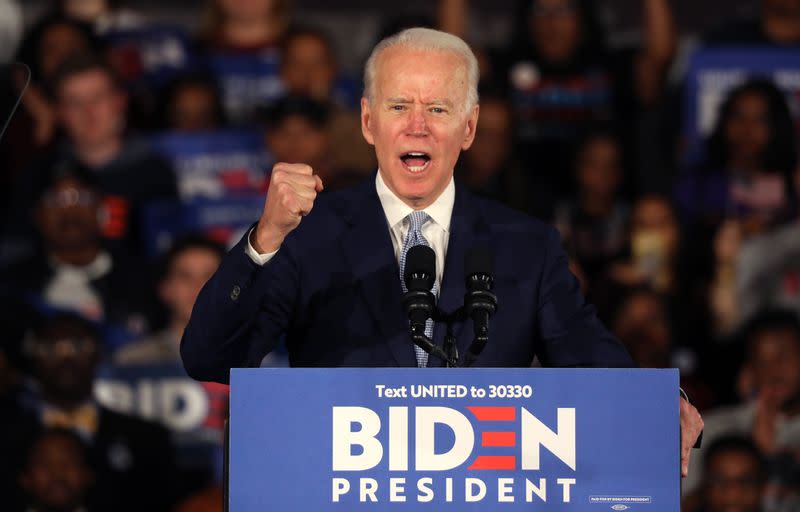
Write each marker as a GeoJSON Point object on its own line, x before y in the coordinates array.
{"type": "Point", "coordinates": [368, 248]}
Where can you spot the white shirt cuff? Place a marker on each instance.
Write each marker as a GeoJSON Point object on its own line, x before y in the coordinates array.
{"type": "Point", "coordinates": [258, 258]}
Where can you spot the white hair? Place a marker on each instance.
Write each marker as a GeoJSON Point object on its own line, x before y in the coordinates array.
{"type": "Point", "coordinates": [425, 39]}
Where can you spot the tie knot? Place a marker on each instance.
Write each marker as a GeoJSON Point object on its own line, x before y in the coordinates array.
{"type": "Point", "coordinates": [417, 219]}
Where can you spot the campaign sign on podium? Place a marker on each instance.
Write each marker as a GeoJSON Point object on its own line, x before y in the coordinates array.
{"type": "Point", "coordinates": [397, 439]}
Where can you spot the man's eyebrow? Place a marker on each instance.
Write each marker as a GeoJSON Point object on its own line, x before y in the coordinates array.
{"type": "Point", "coordinates": [438, 101]}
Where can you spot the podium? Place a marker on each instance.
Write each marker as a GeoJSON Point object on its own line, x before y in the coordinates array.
{"type": "Point", "coordinates": [397, 439]}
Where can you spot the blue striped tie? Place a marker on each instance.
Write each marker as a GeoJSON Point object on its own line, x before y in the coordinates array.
{"type": "Point", "coordinates": [414, 237]}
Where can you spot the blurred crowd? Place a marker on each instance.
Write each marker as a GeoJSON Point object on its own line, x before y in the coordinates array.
{"type": "Point", "coordinates": [141, 150]}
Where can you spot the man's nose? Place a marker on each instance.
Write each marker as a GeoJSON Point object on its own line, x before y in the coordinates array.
{"type": "Point", "coordinates": [417, 125]}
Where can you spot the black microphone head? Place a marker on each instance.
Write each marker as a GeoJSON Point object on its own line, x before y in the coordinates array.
{"type": "Point", "coordinates": [478, 260]}
{"type": "Point", "coordinates": [420, 268]}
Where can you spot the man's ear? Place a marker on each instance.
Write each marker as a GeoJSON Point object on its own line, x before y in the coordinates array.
{"type": "Point", "coordinates": [366, 122]}
{"type": "Point", "coordinates": [472, 125]}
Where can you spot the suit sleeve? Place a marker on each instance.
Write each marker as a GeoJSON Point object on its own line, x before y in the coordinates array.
{"type": "Point", "coordinates": [240, 314]}
{"type": "Point", "coordinates": [571, 335]}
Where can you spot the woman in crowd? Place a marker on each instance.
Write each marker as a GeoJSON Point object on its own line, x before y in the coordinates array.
{"type": "Point", "coordinates": [750, 161]}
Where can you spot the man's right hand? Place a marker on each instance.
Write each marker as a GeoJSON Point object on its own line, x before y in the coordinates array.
{"type": "Point", "coordinates": [292, 191]}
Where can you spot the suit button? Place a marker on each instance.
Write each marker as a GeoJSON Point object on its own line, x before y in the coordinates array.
{"type": "Point", "coordinates": [235, 292]}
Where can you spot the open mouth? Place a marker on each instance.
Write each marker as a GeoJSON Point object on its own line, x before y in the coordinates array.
{"type": "Point", "coordinates": [415, 161]}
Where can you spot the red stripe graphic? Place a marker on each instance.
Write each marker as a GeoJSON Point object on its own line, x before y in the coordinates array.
{"type": "Point", "coordinates": [495, 462]}
{"type": "Point", "coordinates": [499, 439]}
{"type": "Point", "coordinates": [494, 413]}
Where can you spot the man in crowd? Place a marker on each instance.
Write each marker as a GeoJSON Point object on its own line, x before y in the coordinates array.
{"type": "Point", "coordinates": [308, 68]}
{"type": "Point", "coordinates": [298, 131]}
{"type": "Point", "coordinates": [73, 268]}
{"type": "Point", "coordinates": [91, 108]}
{"type": "Point", "coordinates": [131, 458]}
{"type": "Point", "coordinates": [735, 476]}
{"type": "Point", "coordinates": [419, 111]}
{"type": "Point", "coordinates": [771, 377]}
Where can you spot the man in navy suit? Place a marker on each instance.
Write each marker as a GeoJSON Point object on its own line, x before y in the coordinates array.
{"type": "Point", "coordinates": [327, 281]}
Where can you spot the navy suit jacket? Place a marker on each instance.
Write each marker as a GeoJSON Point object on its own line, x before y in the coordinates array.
{"type": "Point", "coordinates": [333, 293]}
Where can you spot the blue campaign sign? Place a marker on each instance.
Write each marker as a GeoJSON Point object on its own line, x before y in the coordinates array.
{"type": "Point", "coordinates": [454, 439]}
{"type": "Point", "coordinates": [216, 164]}
{"type": "Point", "coordinates": [194, 412]}
{"type": "Point", "coordinates": [713, 72]}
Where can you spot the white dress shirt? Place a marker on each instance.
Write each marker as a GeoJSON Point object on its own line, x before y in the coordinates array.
{"type": "Point", "coordinates": [436, 231]}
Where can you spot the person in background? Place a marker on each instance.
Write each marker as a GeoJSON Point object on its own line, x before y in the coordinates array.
{"type": "Point", "coordinates": [193, 104]}
{"type": "Point", "coordinates": [642, 325]}
{"type": "Point", "coordinates": [562, 78]}
{"type": "Point", "coordinates": [73, 268]}
{"type": "Point", "coordinates": [490, 168]}
{"type": "Point", "coordinates": [768, 271]}
{"type": "Point", "coordinates": [751, 158]}
{"type": "Point", "coordinates": [297, 131]}
{"type": "Point", "coordinates": [56, 473]}
{"type": "Point", "coordinates": [655, 238]}
{"type": "Point", "coordinates": [778, 25]}
{"type": "Point", "coordinates": [593, 225]}
{"type": "Point", "coordinates": [308, 67]}
{"type": "Point", "coordinates": [132, 459]}
{"type": "Point", "coordinates": [91, 107]}
{"type": "Point", "coordinates": [734, 477]}
{"type": "Point", "coordinates": [769, 383]}
{"type": "Point", "coordinates": [245, 26]}
{"type": "Point", "coordinates": [187, 267]}
{"type": "Point", "coordinates": [34, 127]}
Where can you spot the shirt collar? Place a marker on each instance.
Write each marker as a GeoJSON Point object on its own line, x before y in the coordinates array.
{"type": "Point", "coordinates": [441, 210]}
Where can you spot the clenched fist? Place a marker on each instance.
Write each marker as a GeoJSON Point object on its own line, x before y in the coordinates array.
{"type": "Point", "coordinates": [292, 191]}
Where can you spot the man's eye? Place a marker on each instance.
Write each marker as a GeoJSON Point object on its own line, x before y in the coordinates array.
{"type": "Point", "coordinates": [438, 110]}
{"type": "Point", "coordinates": [398, 108]}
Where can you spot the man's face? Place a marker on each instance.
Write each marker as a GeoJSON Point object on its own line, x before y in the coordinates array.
{"type": "Point", "coordinates": [64, 358]}
{"type": "Point", "coordinates": [732, 483]}
{"type": "Point", "coordinates": [556, 29]}
{"type": "Point", "coordinates": [58, 43]}
{"type": "Point", "coordinates": [193, 110]}
{"type": "Point", "coordinates": [308, 69]}
{"type": "Point", "coordinates": [416, 121]}
{"type": "Point", "coordinates": [776, 364]}
{"type": "Point", "coordinates": [67, 216]}
{"type": "Point", "coordinates": [189, 272]}
{"type": "Point", "coordinates": [296, 139]}
{"type": "Point", "coordinates": [91, 108]}
{"type": "Point", "coordinates": [57, 476]}
{"type": "Point", "coordinates": [492, 145]}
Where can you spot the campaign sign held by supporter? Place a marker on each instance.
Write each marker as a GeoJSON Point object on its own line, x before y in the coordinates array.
{"type": "Point", "coordinates": [216, 164]}
{"type": "Point", "coordinates": [714, 72]}
{"type": "Point", "coordinates": [454, 439]}
{"type": "Point", "coordinates": [193, 411]}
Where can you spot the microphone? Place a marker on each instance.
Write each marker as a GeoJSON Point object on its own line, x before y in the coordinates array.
{"type": "Point", "coordinates": [479, 302]}
{"type": "Point", "coordinates": [419, 276]}
{"type": "Point", "coordinates": [419, 302]}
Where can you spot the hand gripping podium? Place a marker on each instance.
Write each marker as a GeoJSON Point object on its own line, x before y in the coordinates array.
{"type": "Point", "coordinates": [396, 439]}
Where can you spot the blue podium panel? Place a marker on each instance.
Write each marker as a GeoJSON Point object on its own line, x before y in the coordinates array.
{"type": "Point", "coordinates": [392, 439]}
